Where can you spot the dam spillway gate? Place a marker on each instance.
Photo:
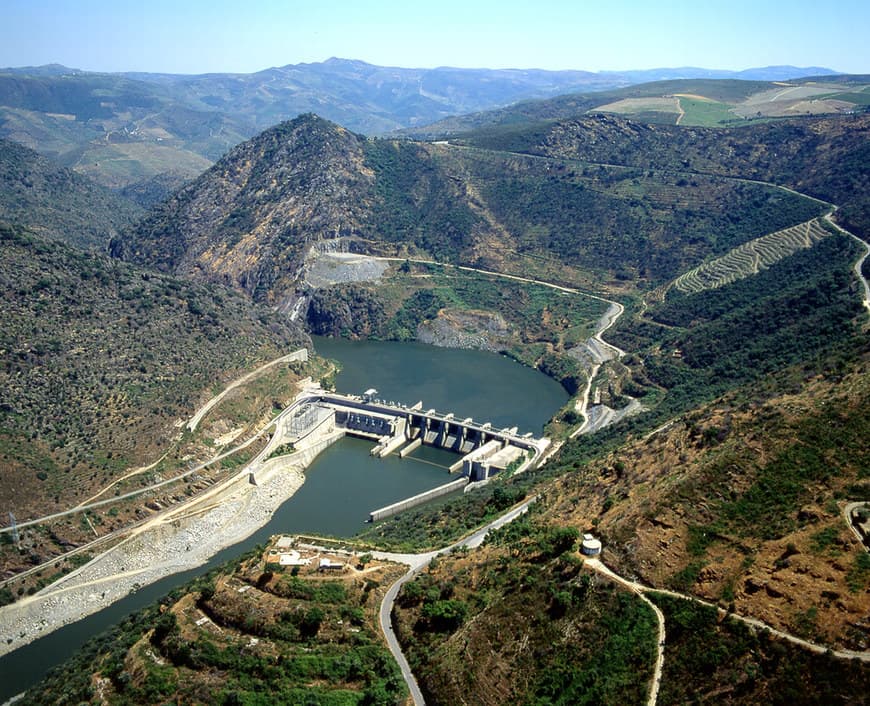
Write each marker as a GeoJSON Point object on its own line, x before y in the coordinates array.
{"type": "Point", "coordinates": [483, 449]}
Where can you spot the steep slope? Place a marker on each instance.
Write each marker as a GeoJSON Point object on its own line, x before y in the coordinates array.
{"type": "Point", "coordinates": [825, 157]}
{"type": "Point", "coordinates": [520, 621]}
{"type": "Point", "coordinates": [308, 185]}
{"type": "Point", "coordinates": [98, 360]}
{"type": "Point", "coordinates": [57, 202]}
{"type": "Point", "coordinates": [741, 502]}
{"type": "Point", "coordinates": [248, 220]}
{"type": "Point", "coordinates": [116, 130]}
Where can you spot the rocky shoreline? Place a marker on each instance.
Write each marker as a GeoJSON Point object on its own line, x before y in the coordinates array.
{"type": "Point", "coordinates": [180, 539]}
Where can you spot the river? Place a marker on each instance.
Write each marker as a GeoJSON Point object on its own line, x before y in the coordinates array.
{"type": "Point", "coordinates": [344, 483]}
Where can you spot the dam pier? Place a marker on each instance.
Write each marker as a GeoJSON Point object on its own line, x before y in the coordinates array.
{"type": "Point", "coordinates": [483, 451]}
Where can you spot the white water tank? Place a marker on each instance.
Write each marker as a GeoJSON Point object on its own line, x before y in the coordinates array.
{"type": "Point", "coordinates": [590, 546]}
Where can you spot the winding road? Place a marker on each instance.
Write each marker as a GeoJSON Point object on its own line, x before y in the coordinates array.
{"type": "Point", "coordinates": [599, 350]}
{"type": "Point", "coordinates": [417, 562]}
{"type": "Point", "coordinates": [859, 265]}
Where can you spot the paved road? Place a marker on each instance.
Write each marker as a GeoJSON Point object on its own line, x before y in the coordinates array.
{"type": "Point", "coordinates": [859, 265]}
{"type": "Point", "coordinates": [417, 563]}
{"type": "Point", "coordinates": [139, 491]}
{"type": "Point", "coordinates": [192, 424]}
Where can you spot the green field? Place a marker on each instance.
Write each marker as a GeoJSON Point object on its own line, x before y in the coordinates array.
{"type": "Point", "coordinates": [706, 113]}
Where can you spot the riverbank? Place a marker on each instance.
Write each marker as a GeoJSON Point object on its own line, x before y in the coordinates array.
{"type": "Point", "coordinates": [180, 539]}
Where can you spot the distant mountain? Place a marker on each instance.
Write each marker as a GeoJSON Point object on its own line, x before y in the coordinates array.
{"type": "Point", "coordinates": [767, 73]}
{"type": "Point", "coordinates": [126, 128]}
{"type": "Point", "coordinates": [705, 101]}
{"type": "Point", "coordinates": [57, 202]}
{"type": "Point", "coordinates": [367, 98]}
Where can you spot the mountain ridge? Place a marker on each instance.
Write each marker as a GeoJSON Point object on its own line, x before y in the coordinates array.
{"type": "Point", "coordinates": [32, 186]}
{"type": "Point", "coordinates": [124, 128]}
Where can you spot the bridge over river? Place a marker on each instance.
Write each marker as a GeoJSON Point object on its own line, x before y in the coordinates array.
{"type": "Point", "coordinates": [394, 428]}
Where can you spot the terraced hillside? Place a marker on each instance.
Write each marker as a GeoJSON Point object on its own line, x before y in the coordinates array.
{"type": "Point", "coordinates": [251, 633]}
{"type": "Point", "coordinates": [752, 257]}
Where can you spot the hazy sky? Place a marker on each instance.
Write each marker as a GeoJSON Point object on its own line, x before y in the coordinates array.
{"type": "Point", "coordinates": [197, 36]}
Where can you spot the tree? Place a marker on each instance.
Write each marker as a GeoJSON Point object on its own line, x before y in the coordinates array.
{"type": "Point", "coordinates": [445, 616]}
{"type": "Point", "coordinates": [309, 625]}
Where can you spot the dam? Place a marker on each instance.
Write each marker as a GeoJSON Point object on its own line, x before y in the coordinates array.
{"type": "Point", "coordinates": [483, 450]}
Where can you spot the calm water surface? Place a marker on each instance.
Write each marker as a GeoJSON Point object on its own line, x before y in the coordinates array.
{"type": "Point", "coordinates": [344, 483]}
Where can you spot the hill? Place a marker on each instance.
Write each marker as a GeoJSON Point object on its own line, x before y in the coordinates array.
{"type": "Point", "coordinates": [825, 157]}
{"type": "Point", "coordinates": [701, 101]}
{"type": "Point", "coordinates": [100, 360]}
{"type": "Point", "coordinates": [247, 220]}
{"type": "Point", "coordinates": [58, 202]}
{"type": "Point", "coordinates": [712, 506]}
{"type": "Point", "coordinates": [122, 129]}
{"type": "Point", "coordinates": [307, 186]}
{"type": "Point", "coordinates": [269, 637]}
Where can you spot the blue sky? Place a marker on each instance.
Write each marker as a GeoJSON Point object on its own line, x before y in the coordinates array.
{"type": "Point", "coordinates": [195, 36]}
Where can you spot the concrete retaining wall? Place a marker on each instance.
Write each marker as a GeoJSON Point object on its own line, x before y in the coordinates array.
{"type": "Point", "coordinates": [389, 510]}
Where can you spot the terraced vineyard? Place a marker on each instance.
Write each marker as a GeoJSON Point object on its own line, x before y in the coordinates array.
{"type": "Point", "coordinates": [752, 257]}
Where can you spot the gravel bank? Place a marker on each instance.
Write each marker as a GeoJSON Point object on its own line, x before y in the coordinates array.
{"type": "Point", "coordinates": [182, 538]}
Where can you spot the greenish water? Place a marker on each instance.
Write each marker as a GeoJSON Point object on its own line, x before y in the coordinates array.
{"type": "Point", "coordinates": [485, 386]}
{"type": "Point", "coordinates": [345, 483]}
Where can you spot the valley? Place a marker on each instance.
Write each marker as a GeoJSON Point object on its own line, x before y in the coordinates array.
{"type": "Point", "coordinates": [700, 294]}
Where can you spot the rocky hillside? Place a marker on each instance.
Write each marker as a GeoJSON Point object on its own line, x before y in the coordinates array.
{"type": "Point", "coordinates": [57, 202]}
{"type": "Point", "coordinates": [248, 220]}
{"type": "Point", "coordinates": [309, 186]}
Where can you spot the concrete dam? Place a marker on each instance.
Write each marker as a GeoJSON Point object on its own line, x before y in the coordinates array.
{"type": "Point", "coordinates": [482, 449]}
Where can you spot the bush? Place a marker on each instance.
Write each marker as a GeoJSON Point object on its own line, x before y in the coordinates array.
{"type": "Point", "coordinates": [445, 615]}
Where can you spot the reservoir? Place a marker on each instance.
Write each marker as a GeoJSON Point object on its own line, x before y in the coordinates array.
{"type": "Point", "coordinates": [345, 483]}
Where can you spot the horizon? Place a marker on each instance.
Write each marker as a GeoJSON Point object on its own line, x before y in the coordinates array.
{"type": "Point", "coordinates": [200, 37]}
{"type": "Point", "coordinates": [435, 68]}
